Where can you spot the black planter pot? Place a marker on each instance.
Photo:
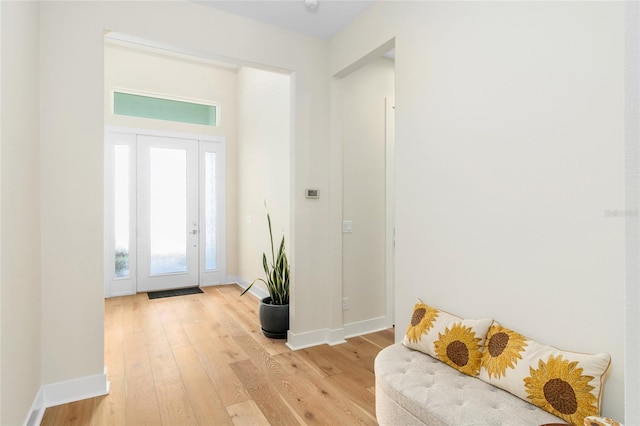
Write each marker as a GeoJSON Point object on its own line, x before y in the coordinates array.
{"type": "Point", "coordinates": [274, 319]}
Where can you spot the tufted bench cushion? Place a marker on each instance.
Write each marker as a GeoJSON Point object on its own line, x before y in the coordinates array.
{"type": "Point", "coordinates": [415, 389]}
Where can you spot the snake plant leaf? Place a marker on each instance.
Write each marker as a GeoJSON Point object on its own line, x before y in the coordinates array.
{"type": "Point", "coordinates": [277, 273]}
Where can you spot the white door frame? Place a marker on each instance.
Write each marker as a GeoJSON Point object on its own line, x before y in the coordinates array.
{"type": "Point", "coordinates": [390, 202]}
{"type": "Point", "coordinates": [336, 186]}
{"type": "Point", "coordinates": [115, 135]}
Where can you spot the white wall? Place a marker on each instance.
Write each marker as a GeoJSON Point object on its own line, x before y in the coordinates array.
{"type": "Point", "coordinates": [632, 220]}
{"type": "Point", "coordinates": [362, 107]}
{"type": "Point", "coordinates": [72, 101]}
{"type": "Point", "coordinates": [20, 212]}
{"type": "Point", "coordinates": [72, 123]}
{"type": "Point", "coordinates": [263, 166]}
{"type": "Point", "coordinates": [510, 147]}
{"type": "Point", "coordinates": [153, 71]}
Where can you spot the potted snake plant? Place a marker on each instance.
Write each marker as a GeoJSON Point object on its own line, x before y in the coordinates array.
{"type": "Point", "coordinates": [274, 310]}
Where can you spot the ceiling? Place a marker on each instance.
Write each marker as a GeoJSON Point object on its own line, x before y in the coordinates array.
{"type": "Point", "coordinates": [326, 20]}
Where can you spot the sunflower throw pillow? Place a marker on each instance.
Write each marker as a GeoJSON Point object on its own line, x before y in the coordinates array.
{"type": "Point", "coordinates": [600, 421]}
{"type": "Point", "coordinates": [566, 384]}
{"type": "Point", "coordinates": [455, 341]}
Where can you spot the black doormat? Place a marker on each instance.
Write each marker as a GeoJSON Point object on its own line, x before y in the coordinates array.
{"type": "Point", "coordinates": [176, 292]}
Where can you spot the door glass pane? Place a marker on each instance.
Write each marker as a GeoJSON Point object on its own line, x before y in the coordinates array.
{"type": "Point", "coordinates": [168, 210]}
{"type": "Point", "coordinates": [121, 210]}
{"type": "Point", "coordinates": [210, 254]}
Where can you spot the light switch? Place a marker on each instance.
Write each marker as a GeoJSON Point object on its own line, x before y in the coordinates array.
{"type": "Point", "coordinates": [347, 226]}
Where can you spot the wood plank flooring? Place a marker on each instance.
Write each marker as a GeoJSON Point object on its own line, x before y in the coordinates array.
{"type": "Point", "coordinates": [202, 360]}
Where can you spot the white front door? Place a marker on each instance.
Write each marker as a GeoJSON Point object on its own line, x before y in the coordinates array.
{"type": "Point", "coordinates": [168, 226]}
{"type": "Point", "coordinates": [165, 222]}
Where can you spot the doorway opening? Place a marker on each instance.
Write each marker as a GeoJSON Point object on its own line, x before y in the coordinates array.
{"type": "Point", "coordinates": [165, 216]}
{"type": "Point", "coordinates": [365, 95]}
{"type": "Point", "coordinates": [214, 101]}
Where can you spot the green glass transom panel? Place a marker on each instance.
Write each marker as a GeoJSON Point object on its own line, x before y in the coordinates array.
{"type": "Point", "coordinates": [164, 109]}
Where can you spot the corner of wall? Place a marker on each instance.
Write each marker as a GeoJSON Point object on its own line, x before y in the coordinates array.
{"type": "Point", "coordinates": [36, 413]}
{"type": "Point", "coordinates": [308, 339]}
{"type": "Point", "coordinates": [65, 392]}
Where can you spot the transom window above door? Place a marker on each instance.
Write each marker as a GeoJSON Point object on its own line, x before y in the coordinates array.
{"type": "Point", "coordinates": [159, 107]}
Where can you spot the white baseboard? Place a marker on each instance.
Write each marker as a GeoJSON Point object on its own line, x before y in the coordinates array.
{"type": "Point", "coordinates": [65, 392]}
{"type": "Point", "coordinates": [37, 410]}
{"type": "Point", "coordinates": [324, 335]}
{"type": "Point", "coordinates": [335, 336]}
{"type": "Point", "coordinates": [364, 327]}
{"type": "Point", "coordinates": [255, 290]}
{"type": "Point", "coordinates": [315, 338]}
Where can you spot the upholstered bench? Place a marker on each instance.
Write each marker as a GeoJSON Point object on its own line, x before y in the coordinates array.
{"type": "Point", "coordinates": [415, 389]}
{"type": "Point", "coordinates": [450, 371]}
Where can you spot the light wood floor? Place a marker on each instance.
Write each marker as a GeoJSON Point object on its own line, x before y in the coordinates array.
{"type": "Point", "coordinates": [202, 360]}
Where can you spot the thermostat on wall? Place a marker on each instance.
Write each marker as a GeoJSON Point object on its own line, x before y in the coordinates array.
{"type": "Point", "coordinates": [312, 193]}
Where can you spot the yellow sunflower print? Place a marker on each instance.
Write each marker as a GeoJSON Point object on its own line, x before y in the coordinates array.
{"type": "Point", "coordinates": [502, 350]}
{"type": "Point", "coordinates": [600, 421]}
{"type": "Point", "coordinates": [459, 348]}
{"type": "Point", "coordinates": [559, 387]}
{"type": "Point", "coordinates": [421, 321]}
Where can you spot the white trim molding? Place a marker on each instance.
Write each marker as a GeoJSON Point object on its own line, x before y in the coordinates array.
{"type": "Point", "coordinates": [65, 392]}
{"type": "Point", "coordinates": [335, 336]}
{"type": "Point", "coordinates": [365, 327]}
{"type": "Point", "coordinates": [324, 335]}
{"type": "Point", "coordinates": [315, 338]}
{"type": "Point", "coordinates": [255, 290]}
{"type": "Point", "coordinates": [36, 412]}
